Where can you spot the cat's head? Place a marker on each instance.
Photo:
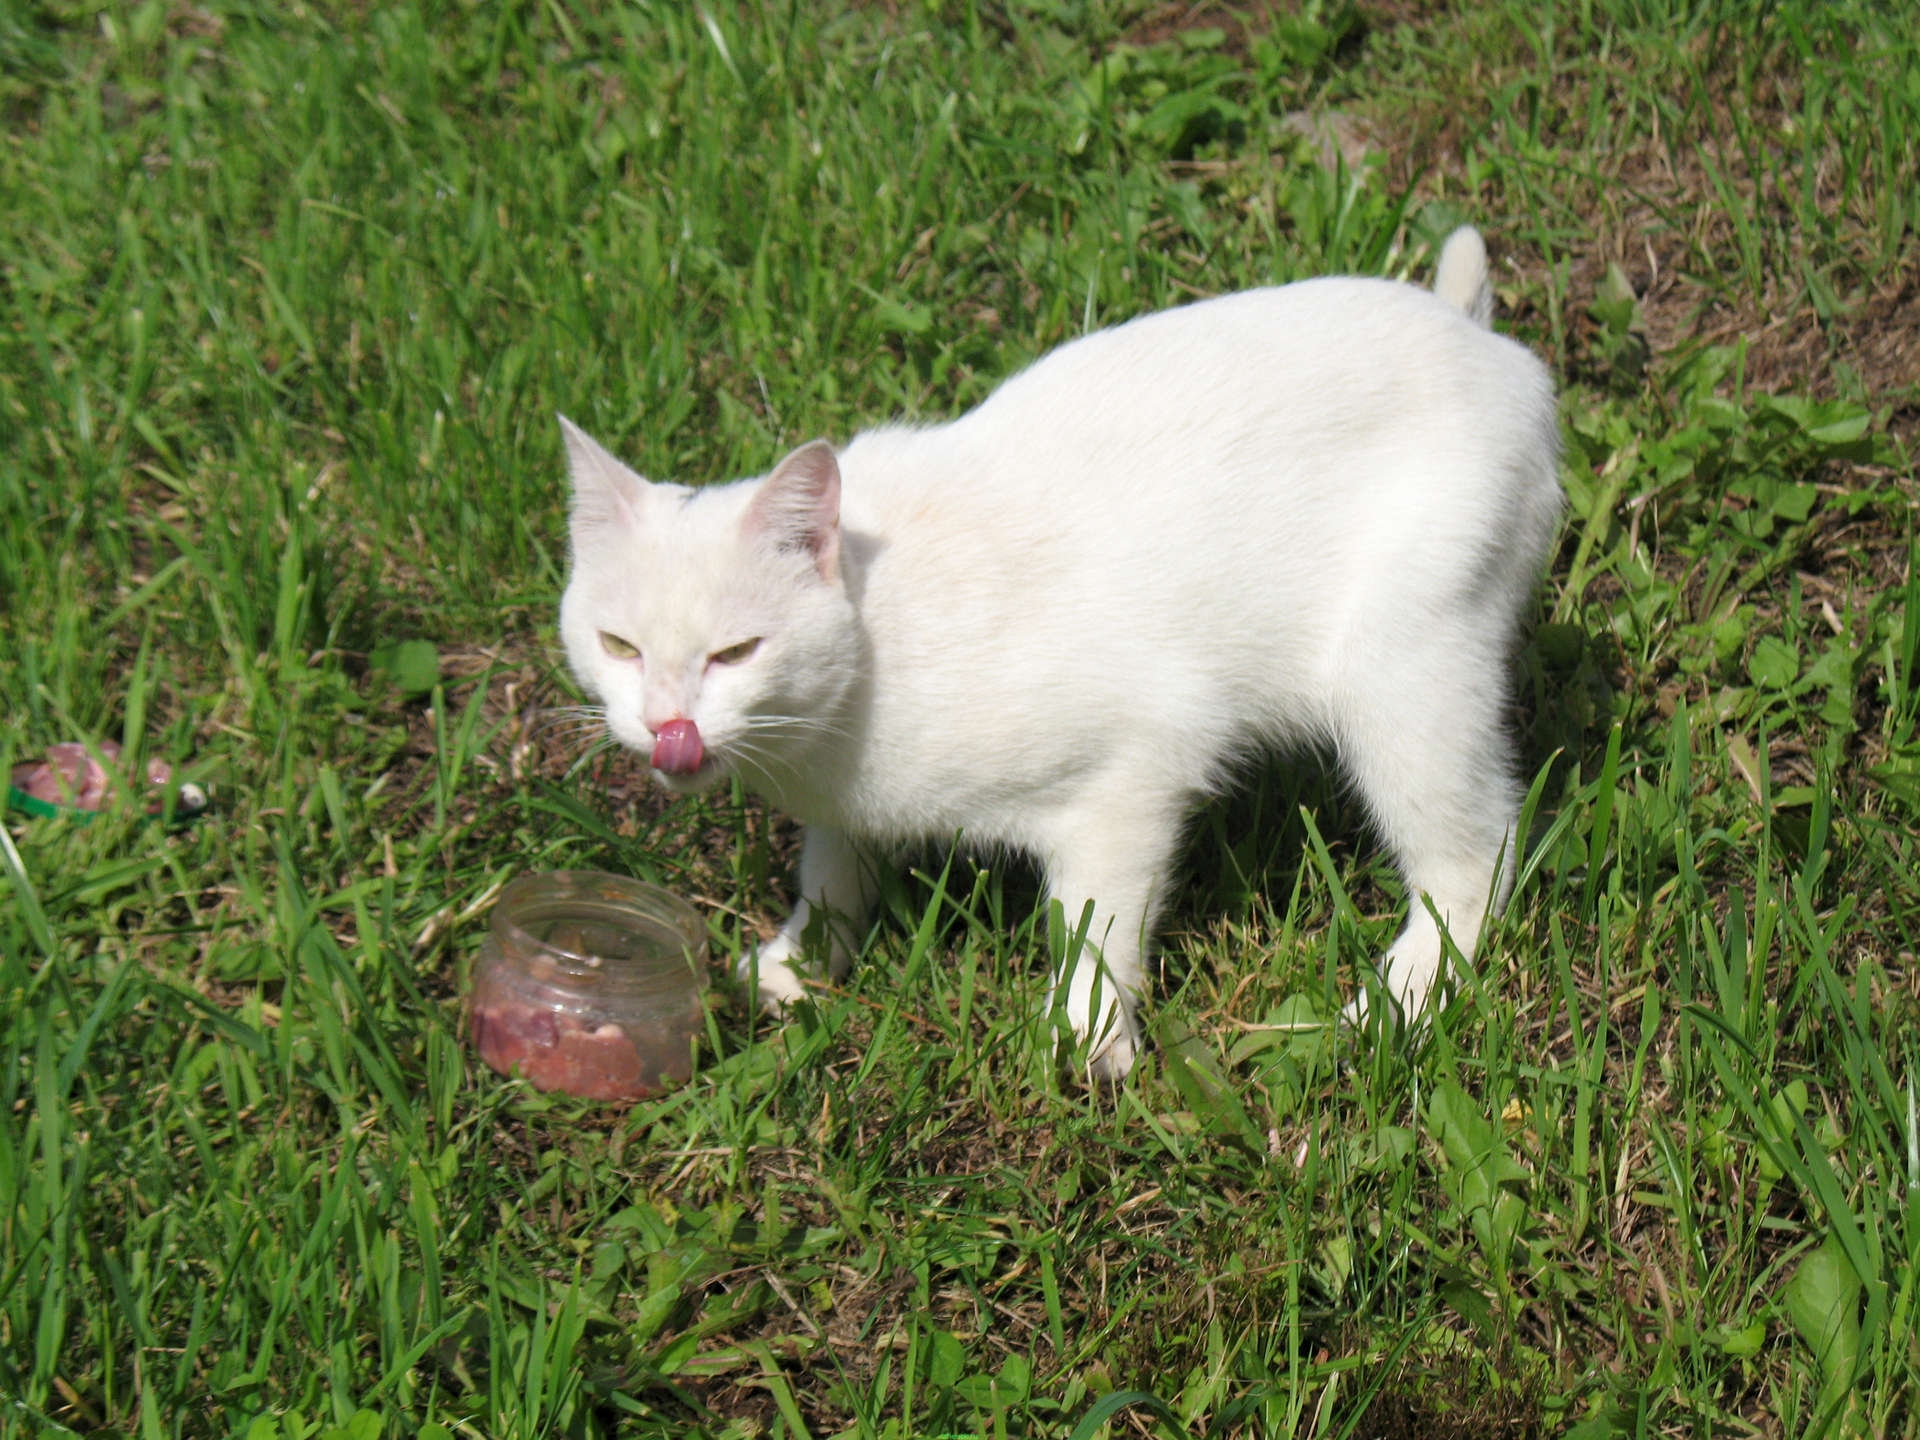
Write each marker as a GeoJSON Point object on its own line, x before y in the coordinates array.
{"type": "Point", "coordinates": [714, 625]}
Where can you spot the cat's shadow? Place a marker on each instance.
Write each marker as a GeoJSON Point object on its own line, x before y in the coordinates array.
{"type": "Point", "coordinates": [1245, 851]}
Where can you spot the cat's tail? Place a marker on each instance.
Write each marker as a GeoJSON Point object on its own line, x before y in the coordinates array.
{"type": "Point", "coordinates": [1460, 279]}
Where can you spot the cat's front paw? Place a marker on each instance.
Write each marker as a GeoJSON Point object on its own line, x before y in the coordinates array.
{"type": "Point", "coordinates": [1353, 1014]}
{"type": "Point", "coordinates": [1111, 1038]}
{"type": "Point", "coordinates": [773, 967]}
{"type": "Point", "coordinates": [1410, 974]}
{"type": "Point", "coordinates": [1112, 1062]}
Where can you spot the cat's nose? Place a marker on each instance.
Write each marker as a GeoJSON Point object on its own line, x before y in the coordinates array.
{"type": "Point", "coordinates": [677, 749]}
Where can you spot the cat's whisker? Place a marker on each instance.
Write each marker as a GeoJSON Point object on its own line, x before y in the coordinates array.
{"type": "Point", "coordinates": [809, 722]}
{"type": "Point", "coordinates": [744, 754]}
{"type": "Point", "coordinates": [746, 767]}
{"type": "Point", "coordinates": [567, 728]}
{"type": "Point", "coordinates": [571, 725]}
{"type": "Point", "coordinates": [812, 725]}
{"type": "Point", "coordinates": [581, 741]}
{"type": "Point", "coordinates": [770, 740]}
{"type": "Point", "coordinates": [593, 750]}
{"type": "Point", "coordinates": [561, 715]}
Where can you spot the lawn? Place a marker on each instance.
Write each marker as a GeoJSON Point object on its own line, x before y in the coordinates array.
{"type": "Point", "coordinates": [289, 297]}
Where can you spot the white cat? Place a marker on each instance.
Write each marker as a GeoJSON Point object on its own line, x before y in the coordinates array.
{"type": "Point", "coordinates": [1303, 516]}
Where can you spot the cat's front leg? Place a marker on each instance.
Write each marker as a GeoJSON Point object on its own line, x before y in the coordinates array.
{"type": "Point", "coordinates": [836, 891]}
{"type": "Point", "coordinates": [1117, 858]}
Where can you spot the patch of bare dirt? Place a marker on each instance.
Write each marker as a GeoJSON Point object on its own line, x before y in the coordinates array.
{"type": "Point", "coordinates": [1709, 229]}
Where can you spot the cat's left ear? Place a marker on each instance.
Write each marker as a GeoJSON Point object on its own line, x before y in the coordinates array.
{"type": "Point", "coordinates": [798, 507]}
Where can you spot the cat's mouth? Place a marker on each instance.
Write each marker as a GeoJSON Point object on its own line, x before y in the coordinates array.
{"type": "Point", "coordinates": [681, 758]}
{"type": "Point", "coordinates": [678, 748]}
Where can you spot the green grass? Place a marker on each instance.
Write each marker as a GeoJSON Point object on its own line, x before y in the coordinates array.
{"type": "Point", "coordinates": [291, 295]}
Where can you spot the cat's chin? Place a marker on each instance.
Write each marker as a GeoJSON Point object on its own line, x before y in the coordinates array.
{"type": "Point", "coordinates": [711, 769]}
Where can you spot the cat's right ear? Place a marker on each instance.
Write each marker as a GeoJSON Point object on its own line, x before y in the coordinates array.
{"type": "Point", "coordinates": [604, 490]}
{"type": "Point", "coordinates": [798, 507]}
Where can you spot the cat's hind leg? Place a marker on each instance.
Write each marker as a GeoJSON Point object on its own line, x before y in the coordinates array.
{"type": "Point", "coordinates": [837, 888]}
{"type": "Point", "coordinates": [1424, 743]}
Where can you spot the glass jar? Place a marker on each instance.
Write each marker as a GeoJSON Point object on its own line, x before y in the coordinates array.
{"type": "Point", "coordinates": [590, 984]}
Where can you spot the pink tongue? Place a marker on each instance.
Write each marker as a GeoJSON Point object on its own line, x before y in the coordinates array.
{"type": "Point", "coordinates": [677, 749]}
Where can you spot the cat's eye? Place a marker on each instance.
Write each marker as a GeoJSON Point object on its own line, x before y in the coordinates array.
{"type": "Point", "coordinates": [734, 654]}
{"type": "Point", "coordinates": [618, 648]}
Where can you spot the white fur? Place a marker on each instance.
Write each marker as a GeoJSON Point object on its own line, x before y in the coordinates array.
{"type": "Point", "coordinates": [1310, 515]}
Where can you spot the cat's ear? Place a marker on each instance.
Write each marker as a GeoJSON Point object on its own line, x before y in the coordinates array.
{"type": "Point", "coordinates": [603, 489]}
{"type": "Point", "coordinates": [798, 507]}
